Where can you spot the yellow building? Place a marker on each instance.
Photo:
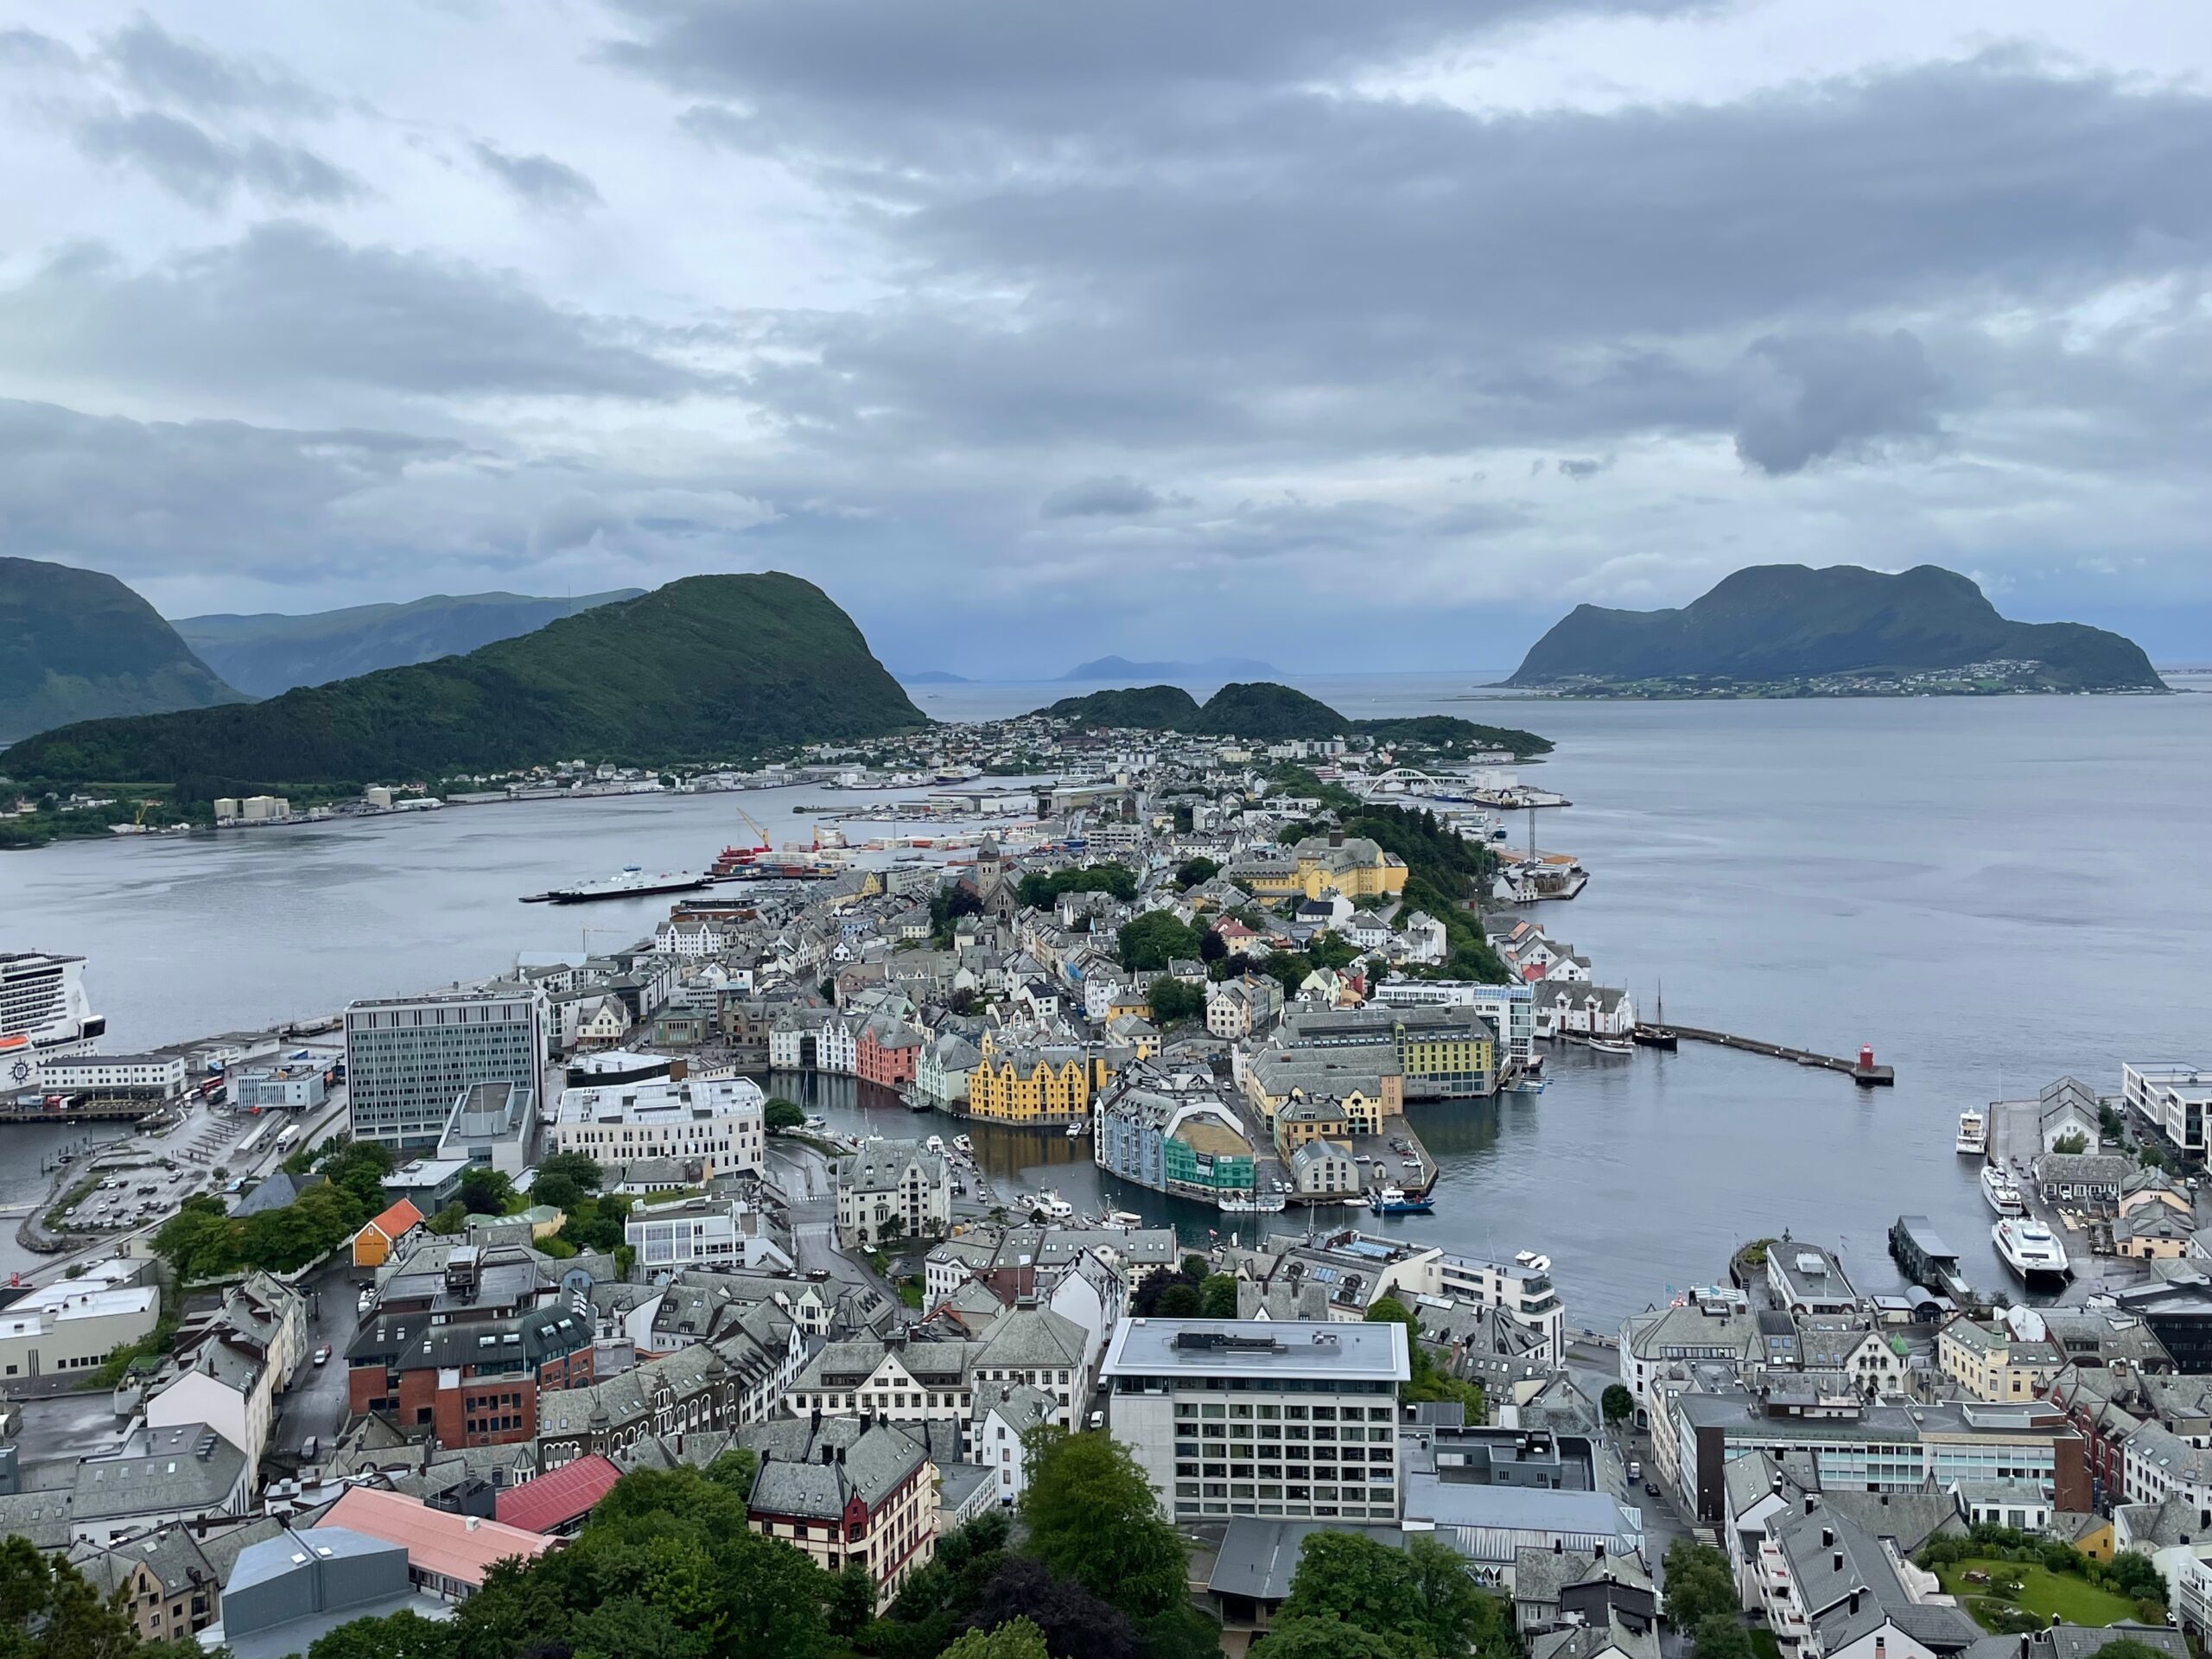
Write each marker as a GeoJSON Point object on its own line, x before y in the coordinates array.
{"type": "Point", "coordinates": [1353, 865]}
{"type": "Point", "coordinates": [1985, 1361]}
{"type": "Point", "coordinates": [1371, 1090]}
{"type": "Point", "coordinates": [1301, 1121]}
{"type": "Point", "coordinates": [1035, 1085]}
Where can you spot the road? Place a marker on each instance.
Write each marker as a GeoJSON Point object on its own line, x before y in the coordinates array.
{"type": "Point", "coordinates": [315, 1402]}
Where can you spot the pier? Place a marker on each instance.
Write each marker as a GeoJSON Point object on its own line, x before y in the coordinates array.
{"type": "Point", "coordinates": [1862, 1070]}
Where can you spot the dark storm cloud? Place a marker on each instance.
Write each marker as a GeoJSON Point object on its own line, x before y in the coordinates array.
{"type": "Point", "coordinates": [160, 65]}
{"type": "Point", "coordinates": [1830, 394]}
{"type": "Point", "coordinates": [538, 180]}
{"type": "Point", "coordinates": [289, 306]}
{"type": "Point", "coordinates": [186, 160]}
{"type": "Point", "coordinates": [1103, 497]}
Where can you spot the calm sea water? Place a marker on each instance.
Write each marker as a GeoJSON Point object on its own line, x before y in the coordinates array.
{"type": "Point", "coordinates": [1990, 892]}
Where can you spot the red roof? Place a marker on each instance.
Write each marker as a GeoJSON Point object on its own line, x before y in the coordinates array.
{"type": "Point", "coordinates": [396, 1222]}
{"type": "Point", "coordinates": [558, 1496]}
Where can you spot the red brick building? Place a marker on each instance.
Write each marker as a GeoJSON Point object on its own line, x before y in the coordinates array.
{"type": "Point", "coordinates": [886, 1053]}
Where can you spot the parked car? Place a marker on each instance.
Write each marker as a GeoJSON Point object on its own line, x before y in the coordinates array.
{"type": "Point", "coordinates": [322, 1355]}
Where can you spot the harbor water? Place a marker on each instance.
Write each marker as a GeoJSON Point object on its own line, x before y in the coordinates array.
{"type": "Point", "coordinates": [1992, 893]}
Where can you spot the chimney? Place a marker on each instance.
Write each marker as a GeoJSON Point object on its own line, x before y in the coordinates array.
{"type": "Point", "coordinates": [1559, 1547]}
{"type": "Point", "coordinates": [1600, 1545]}
{"type": "Point", "coordinates": [2055, 1621]}
{"type": "Point", "coordinates": [1854, 1601]}
{"type": "Point", "coordinates": [1838, 1558]}
{"type": "Point", "coordinates": [840, 1457]}
{"type": "Point", "coordinates": [828, 1454]}
{"type": "Point", "coordinates": [1336, 838]}
{"type": "Point", "coordinates": [1827, 1537]}
{"type": "Point", "coordinates": [1811, 1503]}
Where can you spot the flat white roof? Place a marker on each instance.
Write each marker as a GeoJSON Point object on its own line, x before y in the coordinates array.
{"type": "Point", "coordinates": [1312, 1349]}
{"type": "Point", "coordinates": [650, 1100]}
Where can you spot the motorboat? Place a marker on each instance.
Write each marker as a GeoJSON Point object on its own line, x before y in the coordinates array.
{"type": "Point", "coordinates": [1396, 1201]}
{"type": "Point", "coordinates": [1607, 1045]}
{"type": "Point", "coordinates": [1974, 1134]}
{"type": "Point", "coordinates": [2031, 1250]}
{"type": "Point", "coordinates": [2001, 1195]}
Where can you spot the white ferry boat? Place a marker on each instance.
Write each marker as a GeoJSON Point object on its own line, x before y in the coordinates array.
{"type": "Point", "coordinates": [2030, 1250]}
{"type": "Point", "coordinates": [1997, 1189]}
{"type": "Point", "coordinates": [631, 881]}
{"type": "Point", "coordinates": [1974, 1134]}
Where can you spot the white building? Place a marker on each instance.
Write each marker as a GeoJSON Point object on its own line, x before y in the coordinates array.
{"type": "Point", "coordinates": [227, 1384]}
{"type": "Point", "coordinates": [689, 937]}
{"type": "Point", "coordinates": [288, 1086]}
{"type": "Point", "coordinates": [837, 1046]}
{"type": "Point", "coordinates": [700, 1231]}
{"type": "Point", "coordinates": [409, 1058]}
{"type": "Point", "coordinates": [73, 1324]}
{"type": "Point", "coordinates": [1249, 1417]}
{"type": "Point", "coordinates": [2173, 1099]}
{"type": "Point", "coordinates": [157, 1075]}
{"type": "Point", "coordinates": [889, 1182]}
{"type": "Point", "coordinates": [715, 1122]}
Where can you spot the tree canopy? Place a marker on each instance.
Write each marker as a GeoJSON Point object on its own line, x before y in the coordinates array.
{"type": "Point", "coordinates": [1092, 1516]}
{"type": "Point", "coordinates": [1416, 1603]}
{"type": "Point", "coordinates": [1148, 942]}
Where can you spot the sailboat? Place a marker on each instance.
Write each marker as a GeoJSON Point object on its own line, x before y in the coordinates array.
{"type": "Point", "coordinates": [1659, 1034]}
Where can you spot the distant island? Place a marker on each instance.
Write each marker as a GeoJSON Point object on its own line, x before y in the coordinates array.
{"type": "Point", "coordinates": [931, 677]}
{"type": "Point", "coordinates": [1121, 668]}
{"type": "Point", "coordinates": [269, 652]}
{"type": "Point", "coordinates": [1266, 712]}
{"type": "Point", "coordinates": [1790, 631]}
{"type": "Point", "coordinates": [709, 669]}
{"type": "Point", "coordinates": [78, 645]}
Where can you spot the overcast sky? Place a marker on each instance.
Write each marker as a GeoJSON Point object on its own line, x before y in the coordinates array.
{"type": "Point", "coordinates": [1343, 334]}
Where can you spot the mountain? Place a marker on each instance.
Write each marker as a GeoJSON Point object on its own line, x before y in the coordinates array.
{"type": "Point", "coordinates": [1121, 668]}
{"type": "Point", "coordinates": [1148, 708]}
{"type": "Point", "coordinates": [710, 668]}
{"type": "Point", "coordinates": [76, 645]}
{"type": "Point", "coordinates": [1263, 711]}
{"type": "Point", "coordinates": [1788, 623]}
{"type": "Point", "coordinates": [268, 652]}
{"type": "Point", "coordinates": [932, 677]}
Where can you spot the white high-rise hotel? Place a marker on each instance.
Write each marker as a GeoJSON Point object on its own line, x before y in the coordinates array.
{"type": "Point", "coordinates": [409, 1058]}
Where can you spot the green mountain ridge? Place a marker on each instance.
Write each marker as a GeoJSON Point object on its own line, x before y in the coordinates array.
{"type": "Point", "coordinates": [269, 652]}
{"type": "Point", "coordinates": [1263, 711]}
{"type": "Point", "coordinates": [1781, 623]}
{"type": "Point", "coordinates": [78, 645]}
{"type": "Point", "coordinates": [709, 668]}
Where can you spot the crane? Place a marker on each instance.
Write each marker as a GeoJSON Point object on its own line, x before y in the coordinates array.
{"type": "Point", "coordinates": [760, 836]}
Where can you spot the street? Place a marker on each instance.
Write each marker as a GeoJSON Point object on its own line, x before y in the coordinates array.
{"type": "Point", "coordinates": [315, 1402]}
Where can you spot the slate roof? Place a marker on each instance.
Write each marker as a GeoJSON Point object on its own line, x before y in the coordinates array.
{"type": "Point", "coordinates": [868, 1459]}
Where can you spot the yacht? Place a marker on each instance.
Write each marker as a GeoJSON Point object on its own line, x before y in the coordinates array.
{"type": "Point", "coordinates": [1049, 1205]}
{"type": "Point", "coordinates": [1974, 1134]}
{"type": "Point", "coordinates": [1997, 1189]}
{"type": "Point", "coordinates": [2030, 1250]}
{"type": "Point", "coordinates": [936, 1143]}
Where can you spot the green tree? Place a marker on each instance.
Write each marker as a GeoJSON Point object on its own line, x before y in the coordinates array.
{"type": "Point", "coordinates": [1420, 1597]}
{"type": "Point", "coordinates": [780, 1115]}
{"type": "Point", "coordinates": [486, 1191]}
{"type": "Point", "coordinates": [1212, 947]}
{"type": "Point", "coordinates": [1092, 1516]}
{"type": "Point", "coordinates": [1173, 1002]}
{"type": "Point", "coordinates": [1196, 872]}
{"type": "Point", "coordinates": [849, 1601]}
{"type": "Point", "coordinates": [2072, 1141]}
{"type": "Point", "coordinates": [1016, 1639]}
{"type": "Point", "coordinates": [403, 1635]}
{"type": "Point", "coordinates": [579, 1166]}
{"type": "Point", "coordinates": [200, 1241]}
{"type": "Point", "coordinates": [359, 1167]}
{"type": "Point", "coordinates": [450, 1222]}
{"type": "Point", "coordinates": [2126, 1648]}
{"type": "Point", "coordinates": [1722, 1635]}
{"type": "Point", "coordinates": [1428, 1381]}
{"type": "Point", "coordinates": [1307, 1637]}
{"type": "Point", "coordinates": [1617, 1403]}
{"type": "Point", "coordinates": [1181, 1301]}
{"type": "Point", "coordinates": [1217, 1296]}
{"type": "Point", "coordinates": [1698, 1585]}
{"type": "Point", "coordinates": [1148, 942]}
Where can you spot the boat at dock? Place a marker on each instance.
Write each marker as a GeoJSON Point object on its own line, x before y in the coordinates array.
{"type": "Point", "coordinates": [1526, 1084]}
{"type": "Point", "coordinates": [1974, 1134]}
{"type": "Point", "coordinates": [1997, 1189]}
{"type": "Point", "coordinates": [2032, 1251]}
{"type": "Point", "coordinates": [1926, 1260]}
{"type": "Point", "coordinates": [631, 881]}
{"type": "Point", "coordinates": [1269, 1203]}
{"type": "Point", "coordinates": [1396, 1201]}
{"type": "Point", "coordinates": [1657, 1034]}
{"type": "Point", "coordinates": [1077, 1129]}
{"type": "Point", "coordinates": [1604, 1045]}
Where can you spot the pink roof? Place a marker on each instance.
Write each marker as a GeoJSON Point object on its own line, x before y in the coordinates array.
{"type": "Point", "coordinates": [397, 1221]}
{"type": "Point", "coordinates": [458, 1546]}
{"type": "Point", "coordinates": [558, 1496]}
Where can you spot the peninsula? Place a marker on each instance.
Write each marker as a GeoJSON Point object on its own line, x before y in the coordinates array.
{"type": "Point", "coordinates": [710, 667]}
{"type": "Point", "coordinates": [1264, 711]}
{"type": "Point", "coordinates": [1790, 631]}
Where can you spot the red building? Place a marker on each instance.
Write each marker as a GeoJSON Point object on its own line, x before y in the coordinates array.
{"type": "Point", "coordinates": [886, 1053]}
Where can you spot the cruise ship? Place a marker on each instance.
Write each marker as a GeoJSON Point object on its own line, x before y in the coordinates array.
{"type": "Point", "coordinates": [633, 882]}
{"type": "Point", "coordinates": [2030, 1250]}
{"type": "Point", "coordinates": [1998, 1191]}
{"type": "Point", "coordinates": [1974, 1134]}
{"type": "Point", "coordinates": [44, 1013]}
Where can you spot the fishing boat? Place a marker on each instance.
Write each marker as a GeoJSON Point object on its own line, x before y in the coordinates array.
{"type": "Point", "coordinates": [1658, 1034]}
{"type": "Point", "coordinates": [1606, 1045]}
{"type": "Point", "coordinates": [1974, 1134]}
{"type": "Point", "coordinates": [1396, 1201]}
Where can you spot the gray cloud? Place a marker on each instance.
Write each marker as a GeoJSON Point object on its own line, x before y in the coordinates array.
{"type": "Point", "coordinates": [1581, 468]}
{"type": "Point", "coordinates": [289, 306]}
{"type": "Point", "coordinates": [184, 159]}
{"type": "Point", "coordinates": [26, 48]}
{"type": "Point", "coordinates": [160, 65]}
{"type": "Point", "coordinates": [1818, 396]}
{"type": "Point", "coordinates": [1103, 497]}
{"type": "Point", "coordinates": [538, 180]}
